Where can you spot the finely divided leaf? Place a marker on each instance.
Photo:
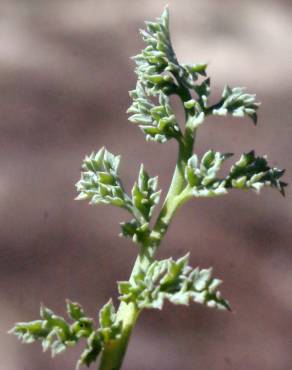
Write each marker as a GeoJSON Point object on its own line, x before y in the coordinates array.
{"type": "Point", "coordinates": [145, 197]}
{"type": "Point", "coordinates": [109, 329]}
{"type": "Point", "coordinates": [202, 177]}
{"type": "Point", "coordinates": [56, 334]}
{"type": "Point", "coordinates": [138, 232]}
{"type": "Point", "coordinates": [158, 58]}
{"type": "Point", "coordinates": [174, 281]}
{"type": "Point", "coordinates": [158, 122]}
{"type": "Point", "coordinates": [157, 65]}
{"type": "Point", "coordinates": [250, 172]}
{"type": "Point", "coordinates": [99, 181]}
{"type": "Point", "coordinates": [238, 103]}
{"type": "Point", "coordinates": [93, 349]}
{"type": "Point", "coordinates": [203, 91]}
{"type": "Point", "coordinates": [159, 75]}
{"type": "Point", "coordinates": [74, 310]}
{"type": "Point", "coordinates": [54, 331]}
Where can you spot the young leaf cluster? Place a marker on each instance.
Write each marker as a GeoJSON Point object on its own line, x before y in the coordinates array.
{"type": "Point", "coordinates": [158, 122]}
{"type": "Point", "coordinates": [252, 172]}
{"type": "Point", "coordinates": [249, 172]}
{"type": "Point", "coordinates": [160, 75]}
{"type": "Point", "coordinates": [238, 103]}
{"type": "Point", "coordinates": [100, 182]}
{"type": "Point", "coordinates": [145, 197]}
{"type": "Point", "coordinates": [202, 177]}
{"type": "Point", "coordinates": [109, 330]}
{"type": "Point", "coordinates": [56, 334]}
{"type": "Point", "coordinates": [54, 331]}
{"type": "Point", "coordinates": [174, 281]}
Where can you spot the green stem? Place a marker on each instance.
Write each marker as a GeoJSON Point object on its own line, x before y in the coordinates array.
{"type": "Point", "coordinates": [173, 201]}
{"type": "Point", "coordinates": [113, 354]}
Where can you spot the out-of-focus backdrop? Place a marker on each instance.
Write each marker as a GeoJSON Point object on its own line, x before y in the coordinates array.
{"type": "Point", "coordinates": [64, 76]}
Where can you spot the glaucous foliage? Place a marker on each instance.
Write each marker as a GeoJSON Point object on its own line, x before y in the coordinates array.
{"type": "Point", "coordinates": [152, 282]}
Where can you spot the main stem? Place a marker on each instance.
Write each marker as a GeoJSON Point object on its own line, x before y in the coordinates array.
{"type": "Point", "coordinates": [114, 352]}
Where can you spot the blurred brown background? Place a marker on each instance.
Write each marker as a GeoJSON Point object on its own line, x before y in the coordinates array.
{"type": "Point", "coordinates": [64, 77]}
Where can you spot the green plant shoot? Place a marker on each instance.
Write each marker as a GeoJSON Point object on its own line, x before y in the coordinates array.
{"type": "Point", "coordinates": [152, 282]}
